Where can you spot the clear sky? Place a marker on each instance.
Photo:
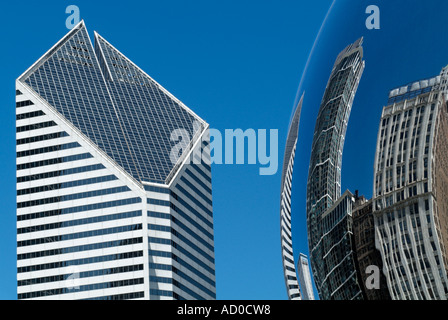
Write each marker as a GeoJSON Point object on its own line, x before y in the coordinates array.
{"type": "Point", "coordinates": [237, 64]}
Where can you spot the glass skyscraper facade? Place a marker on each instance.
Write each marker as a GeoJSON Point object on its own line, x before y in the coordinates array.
{"type": "Point", "coordinates": [329, 214]}
{"type": "Point", "coordinates": [105, 210]}
{"type": "Point", "coordinates": [410, 190]}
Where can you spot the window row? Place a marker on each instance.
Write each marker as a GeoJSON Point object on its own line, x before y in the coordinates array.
{"type": "Point", "coordinates": [76, 262]}
{"type": "Point", "coordinates": [78, 222]}
{"type": "Point", "coordinates": [49, 162]}
{"type": "Point", "coordinates": [157, 189]}
{"type": "Point", "coordinates": [24, 103]}
{"type": "Point", "coordinates": [59, 173]}
{"type": "Point", "coordinates": [80, 248]}
{"type": "Point", "coordinates": [80, 275]}
{"type": "Point", "coordinates": [87, 207]}
{"type": "Point", "coordinates": [158, 202]}
{"type": "Point", "coordinates": [28, 115]}
{"type": "Point", "coordinates": [69, 184]}
{"type": "Point", "coordinates": [60, 147]}
{"type": "Point", "coordinates": [36, 126]}
{"type": "Point", "coordinates": [123, 296]}
{"type": "Point", "coordinates": [79, 235]}
{"type": "Point", "coordinates": [43, 137]}
{"type": "Point", "coordinates": [70, 197]}
{"type": "Point", "coordinates": [88, 287]}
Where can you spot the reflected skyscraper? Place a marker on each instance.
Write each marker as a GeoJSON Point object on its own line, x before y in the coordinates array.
{"type": "Point", "coordinates": [410, 190]}
{"type": "Point", "coordinates": [105, 210]}
{"type": "Point", "coordinates": [303, 270]}
{"type": "Point", "coordinates": [289, 269]}
{"type": "Point", "coordinates": [329, 214]}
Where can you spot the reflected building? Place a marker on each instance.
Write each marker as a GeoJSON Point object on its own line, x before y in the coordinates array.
{"type": "Point", "coordinates": [410, 190]}
{"type": "Point", "coordinates": [289, 270]}
{"type": "Point", "coordinates": [337, 252]}
{"type": "Point", "coordinates": [104, 210]}
{"type": "Point", "coordinates": [329, 218]}
{"type": "Point", "coordinates": [303, 270]}
{"type": "Point", "coordinates": [366, 253]}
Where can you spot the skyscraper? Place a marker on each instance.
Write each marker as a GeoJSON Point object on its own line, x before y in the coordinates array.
{"type": "Point", "coordinates": [108, 205]}
{"type": "Point", "coordinates": [306, 287]}
{"type": "Point", "coordinates": [289, 269]}
{"type": "Point", "coordinates": [328, 214]}
{"type": "Point", "coordinates": [410, 190]}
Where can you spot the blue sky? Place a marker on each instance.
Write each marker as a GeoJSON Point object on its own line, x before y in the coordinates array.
{"type": "Point", "coordinates": [237, 64]}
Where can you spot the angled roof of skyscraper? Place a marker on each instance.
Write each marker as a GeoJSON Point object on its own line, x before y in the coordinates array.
{"type": "Point", "coordinates": [113, 103]}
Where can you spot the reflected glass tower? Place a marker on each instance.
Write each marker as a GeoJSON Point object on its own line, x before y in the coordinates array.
{"type": "Point", "coordinates": [105, 208]}
{"type": "Point", "coordinates": [329, 214]}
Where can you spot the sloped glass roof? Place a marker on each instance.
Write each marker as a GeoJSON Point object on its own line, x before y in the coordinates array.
{"type": "Point", "coordinates": [113, 102]}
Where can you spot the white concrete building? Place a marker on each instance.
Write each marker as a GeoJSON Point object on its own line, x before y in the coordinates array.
{"type": "Point", "coordinates": [103, 212]}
